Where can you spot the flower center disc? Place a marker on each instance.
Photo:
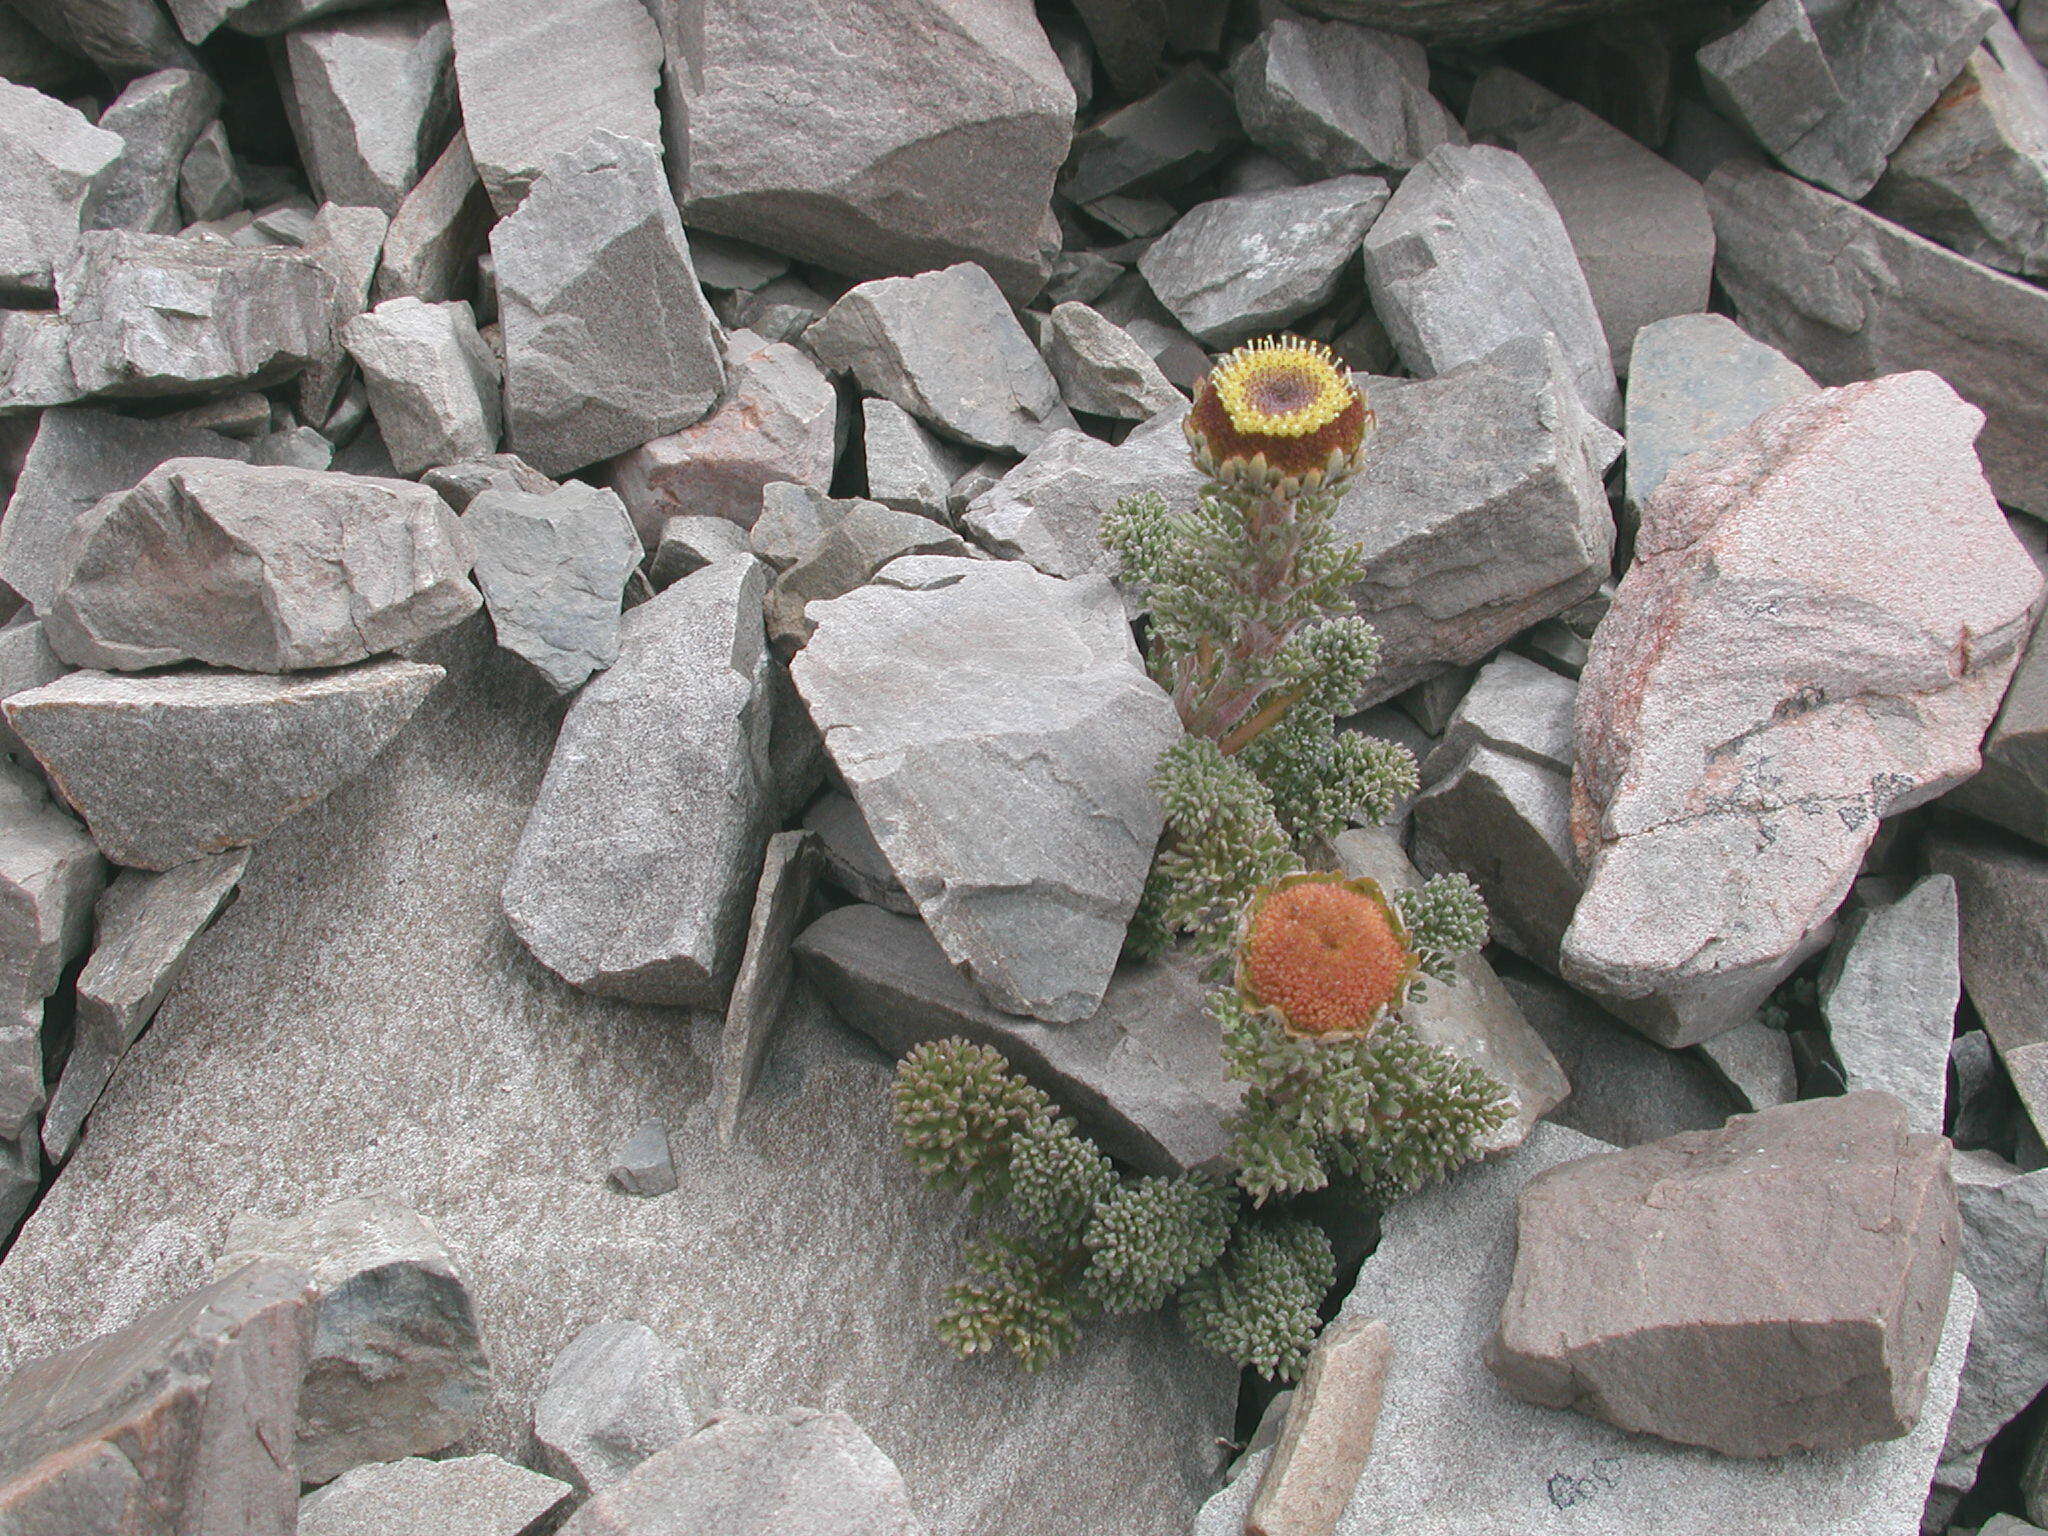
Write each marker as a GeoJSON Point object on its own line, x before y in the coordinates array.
{"type": "Point", "coordinates": [1326, 956]}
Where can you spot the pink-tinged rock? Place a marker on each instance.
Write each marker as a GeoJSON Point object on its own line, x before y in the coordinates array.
{"type": "Point", "coordinates": [1822, 618]}
{"type": "Point", "coordinates": [778, 420]}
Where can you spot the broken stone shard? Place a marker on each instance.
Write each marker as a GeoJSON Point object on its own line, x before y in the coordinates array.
{"type": "Point", "coordinates": [475, 1495]}
{"type": "Point", "coordinates": [159, 118]}
{"type": "Point", "coordinates": [553, 568]}
{"type": "Point", "coordinates": [50, 156]}
{"type": "Point", "coordinates": [615, 1395]}
{"type": "Point", "coordinates": [371, 98]}
{"type": "Point", "coordinates": [1100, 368]}
{"type": "Point", "coordinates": [644, 1165]}
{"type": "Point", "coordinates": [1889, 996]}
{"type": "Point", "coordinates": [1330, 98]}
{"type": "Point", "coordinates": [433, 382]}
{"type": "Point", "coordinates": [782, 904]}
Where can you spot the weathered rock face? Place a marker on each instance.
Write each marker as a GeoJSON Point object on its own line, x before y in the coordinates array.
{"type": "Point", "coordinates": [50, 156]}
{"type": "Point", "coordinates": [1162, 141]}
{"type": "Point", "coordinates": [364, 1020]}
{"type": "Point", "coordinates": [1776, 1286]}
{"type": "Point", "coordinates": [172, 767]}
{"type": "Point", "coordinates": [297, 568]}
{"type": "Point", "coordinates": [2012, 789]}
{"type": "Point", "coordinates": [1322, 1447]}
{"type": "Point", "coordinates": [372, 102]}
{"type": "Point", "coordinates": [1495, 456]}
{"type": "Point", "coordinates": [593, 252]}
{"type": "Point", "coordinates": [441, 227]}
{"type": "Point", "coordinates": [158, 118]}
{"type": "Point", "coordinates": [999, 731]}
{"type": "Point", "coordinates": [1889, 996]}
{"type": "Point", "coordinates": [553, 569]}
{"type": "Point", "coordinates": [909, 135]}
{"type": "Point", "coordinates": [179, 1422]}
{"type": "Point", "coordinates": [1823, 613]}
{"type": "Point", "coordinates": [396, 1366]}
{"type": "Point", "coordinates": [1329, 98]}
{"type": "Point", "coordinates": [863, 537]}
{"type": "Point", "coordinates": [1848, 295]}
{"type": "Point", "coordinates": [432, 380]}
{"type": "Point", "coordinates": [908, 468]}
{"type": "Point", "coordinates": [1470, 254]}
{"type": "Point", "coordinates": [1101, 368]}
{"type": "Point", "coordinates": [476, 1495]}
{"type": "Point", "coordinates": [613, 1398]}
{"type": "Point", "coordinates": [657, 796]}
{"type": "Point", "coordinates": [1470, 21]}
{"type": "Point", "coordinates": [2003, 893]}
{"type": "Point", "coordinates": [945, 346]}
{"type": "Point", "coordinates": [123, 37]}
{"type": "Point", "coordinates": [760, 992]}
{"type": "Point", "coordinates": [601, 62]}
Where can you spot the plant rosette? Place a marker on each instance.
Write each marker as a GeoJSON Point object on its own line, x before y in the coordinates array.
{"type": "Point", "coordinates": [1325, 957]}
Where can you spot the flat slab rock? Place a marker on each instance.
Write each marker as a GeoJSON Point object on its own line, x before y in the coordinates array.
{"type": "Point", "coordinates": [1823, 614]}
{"type": "Point", "coordinates": [363, 1020]}
{"type": "Point", "coordinates": [475, 1495]}
{"type": "Point", "coordinates": [998, 729]}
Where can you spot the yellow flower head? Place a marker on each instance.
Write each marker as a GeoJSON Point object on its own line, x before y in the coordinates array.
{"type": "Point", "coordinates": [1279, 408]}
{"type": "Point", "coordinates": [1325, 956]}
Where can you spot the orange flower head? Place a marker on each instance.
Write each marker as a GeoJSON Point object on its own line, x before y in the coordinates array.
{"type": "Point", "coordinates": [1324, 955]}
{"type": "Point", "coordinates": [1279, 409]}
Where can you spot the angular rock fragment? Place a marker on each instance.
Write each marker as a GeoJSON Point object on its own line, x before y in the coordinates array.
{"type": "Point", "coordinates": [144, 926]}
{"type": "Point", "coordinates": [858, 539]}
{"type": "Point", "coordinates": [782, 901]}
{"type": "Point", "coordinates": [2003, 894]}
{"type": "Point", "coordinates": [689, 544]}
{"type": "Point", "coordinates": [1889, 997]}
{"type": "Point", "coordinates": [372, 101]}
{"type": "Point", "coordinates": [1330, 98]}
{"type": "Point", "coordinates": [26, 661]}
{"type": "Point", "coordinates": [905, 136]}
{"type": "Point", "coordinates": [1469, 254]}
{"type": "Point", "coordinates": [181, 1421]}
{"type": "Point", "coordinates": [1164, 140]}
{"type": "Point", "coordinates": [1754, 1062]}
{"type": "Point", "coordinates": [347, 243]}
{"type": "Point", "coordinates": [123, 37]}
{"type": "Point", "coordinates": [437, 232]}
{"type": "Point", "coordinates": [166, 769]}
{"type": "Point", "coordinates": [584, 266]}
{"type": "Point", "coordinates": [475, 1495]}
{"type": "Point", "coordinates": [1514, 706]}
{"type": "Point", "coordinates": [853, 860]}
{"type": "Point", "coordinates": [209, 184]}
{"type": "Point", "coordinates": [644, 1165]}
{"type": "Point", "coordinates": [999, 731]}
{"type": "Point", "coordinates": [2012, 788]}
{"type": "Point", "coordinates": [35, 362]}
{"type": "Point", "coordinates": [1638, 224]}
{"type": "Point", "coordinates": [1100, 369]}
{"type": "Point", "coordinates": [908, 468]}
{"type": "Point", "coordinates": [50, 156]}
{"type": "Point", "coordinates": [1238, 267]}
{"type": "Point", "coordinates": [615, 1395]}
{"type": "Point", "coordinates": [778, 420]}
{"type": "Point", "coordinates": [553, 569]}
{"type": "Point", "coordinates": [433, 382]}
{"type": "Point", "coordinates": [2005, 1246]}
{"type": "Point", "coordinates": [1322, 1448]}
{"type": "Point", "coordinates": [159, 118]}
{"type": "Point", "coordinates": [294, 568]}
{"type": "Point", "coordinates": [633, 875]}
{"type": "Point", "coordinates": [1848, 295]}
{"type": "Point", "coordinates": [600, 62]}
{"type": "Point", "coordinates": [1776, 1286]}
{"type": "Point", "coordinates": [945, 346]}
{"type": "Point", "coordinates": [1824, 610]}
{"type": "Point", "coordinates": [461, 483]}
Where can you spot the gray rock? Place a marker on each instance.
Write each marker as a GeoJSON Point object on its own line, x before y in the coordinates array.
{"type": "Point", "coordinates": [734, 265]}
{"type": "Point", "coordinates": [475, 1495]}
{"type": "Point", "coordinates": [437, 232]}
{"type": "Point", "coordinates": [1320, 1450]}
{"type": "Point", "coordinates": [758, 1475]}
{"type": "Point", "coordinates": [1515, 707]}
{"type": "Point", "coordinates": [1832, 90]}
{"type": "Point", "coordinates": [1084, 276]}
{"type": "Point", "coordinates": [1889, 996]}
{"type": "Point", "coordinates": [123, 37]}
{"type": "Point", "coordinates": [945, 346]}
{"type": "Point", "coordinates": [1673, 1289]}
{"type": "Point", "coordinates": [461, 483]}
{"type": "Point", "coordinates": [1100, 369]}
{"type": "Point", "coordinates": [1238, 267]}
{"type": "Point", "coordinates": [159, 118]}
{"type": "Point", "coordinates": [1495, 456]}
{"type": "Point", "coordinates": [1848, 295]}
{"type": "Point", "coordinates": [35, 362]}
{"type": "Point", "coordinates": [778, 420]}
{"type": "Point", "coordinates": [1330, 98]}
{"type": "Point", "coordinates": [433, 383]}
{"type": "Point", "coordinates": [397, 1367]}
{"type": "Point", "coordinates": [1639, 224]}
{"type": "Point", "coordinates": [689, 544]}
{"type": "Point", "coordinates": [2005, 1249]}
{"type": "Point", "coordinates": [853, 860]}
{"type": "Point", "coordinates": [2012, 788]}
{"type": "Point", "coordinates": [1822, 615]}
{"type": "Point", "coordinates": [144, 927]}
{"type": "Point", "coordinates": [600, 61]}
{"type": "Point", "coordinates": [81, 455]}
{"type": "Point", "coordinates": [554, 569]}
{"type": "Point", "coordinates": [167, 769]}
{"type": "Point", "coordinates": [209, 183]}
{"type": "Point", "coordinates": [21, 1180]}
{"type": "Point", "coordinates": [905, 136]}
{"type": "Point", "coordinates": [615, 1395]}
{"type": "Point", "coordinates": [1692, 380]}
{"type": "Point", "coordinates": [298, 569]}
{"type": "Point", "coordinates": [859, 538]}
{"type": "Point", "coordinates": [658, 793]}
{"type": "Point", "coordinates": [2003, 894]}
{"type": "Point", "coordinates": [782, 903]}
{"type": "Point", "coordinates": [999, 731]}
{"type": "Point", "coordinates": [781, 311]}
{"type": "Point", "coordinates": [127, 303]}
{"type": "Point", "coordinates": [644, 1165]}
{"type": "Point", "coordinates": [1143, 1074]}
{"type": "Point", "coordinates": [50, 155]}
{"type": "Point", "coordinates": [1754, 1062]}
{"type": "Point", "coordinates": [793, 518]}
{"type": "Point", "coordinates": [587, 257]}
{"type": "Point", "coordinates": [1455, 1453]}
{"type": "Point", "coordinates": [1469, 254]}
{"type": "Point", "coordinates": [26, 661]}
{"type": "Point", "coordinates": [1164, 140]}
{"type": "Point", "coordinates": [180, 1421]}
{"type": "Point", "coordinates": [372, 101]}
{"type": "Point", "coordinates": [299, 448]}
{"type": "Point", "coordinates": [347, 243]}
{"type": "Point", "coordinates": [908, 468]}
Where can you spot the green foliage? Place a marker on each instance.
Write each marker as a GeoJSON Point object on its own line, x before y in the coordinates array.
{"type": "Point", "coordinates": [957, 1107]}
{"type": "Point", "coordinates": [1148, 1238]}
{"type": "Point", "coordinates": [1445, 919]}
{"type": "Point", "coordinates": [1016, 1298]}
{"type": "Point", "coordinates": [1259, 1305]}
{"type": "Point", "coordinates": [1226, 842]}
{"type": "Point", "coordinates": [1058, 1179]}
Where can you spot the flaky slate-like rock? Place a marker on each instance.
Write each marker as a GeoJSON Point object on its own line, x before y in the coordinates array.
{"type": "Point", "coordinates": [1469, 254]}
{"type": "Point", "coordinates": [397, 1367]}
{"type": "Point", "coordinates": [50, 155]}
{"type": "Point", "coordinates": [263, 568]}
{"type": "Point", "coordinates": [1889, 996]}
{"type": "Point", "coordinates": [159, 118]}
{"type": "Point", "coordinates": [608, 338]}
{"type": "Point", "coordinates": [1824, 611]}
{"type": "Point", "coordinates": [372, 101]}
{"type": "Point", "coordinates": [437, 232]}
{"type": "Point", "coordinates": [474, 1495]}
{"type": "Point", "coordinates": [599, 60]}
{"type": "Point", "coordinates": [945, 346]}
{"type": "Point", "coordinates": [1323, 1444]}
{"type": "Point", "coordinates": [553, 569]}
{"type": "Point", "coordinates": [633, 876]}
{"type": "Point", "coordinates": [123, 37]}
{"type": "Point", "coordinates": [1330, 98]}
{"type": "Point", "coordinates": [903, 136]}
{"type": "Point", "coordinates": [347, 244]}
{"type": "Point", "coordinates": [1471, 21]}
{"type": "Point", "coordinates": [209, 182]}
{"type": "Point", "coordinates": [432, 380]}
{"type": "Point", "coordinates": [2002, 890]}
{"type": "Point", "coordinates": [760, 992]}
{"type": "Point", "coordinates": [1779, 1285]}
{"type": "Point", "coordinates": [999, 731]}
{"type": "Point", "coordinates": [169, 768]}
{"type": "Point", "coordinates": [1848, 295]}
{"type": "Point", "coordinates": [1238, 267]}
{"type": "Point", "coordinates": [615, 1396]}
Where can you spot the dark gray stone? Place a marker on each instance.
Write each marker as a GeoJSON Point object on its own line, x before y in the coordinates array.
{"type": "Point", "coordinates": [689, 544]}
{"type": "Point", "coordinates": [1165, 139]}
{"type": "Point", "coordinates": [50, 157]}
{"type": "Point", "coordinates": [209, 183]}
{"type": "Point", "coordinates": [2003, 894]}
{"type": "Point", "coordinates": [1329, 98]}
{"type": "Point", "coordinates": [437, 232]}
{"type": "Point", "coordinates": [1889, 996]}
{"type": "Point", "coordinates": [2005, 1251]}
{"type": "Point", "coordinates": [1099, 367]}
{"type": "Point", "coordinates": [782, 903]}
{"type": "Point", "coordinates": [644, 1165]}
{"type": "Point", "coordinates": [159, 118]}
{"type": "Point", "coordinates": [854, 861]}
{"type": "Point", "coordinates": [908, 467]}
{"type": "Point", "coordinates": [372, 101]}
{"type": "Point", "coordinates": [553, 569]}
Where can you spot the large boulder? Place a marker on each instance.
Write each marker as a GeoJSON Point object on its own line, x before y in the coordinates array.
{"type": "Point", "coordinates": [1823, 613]}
